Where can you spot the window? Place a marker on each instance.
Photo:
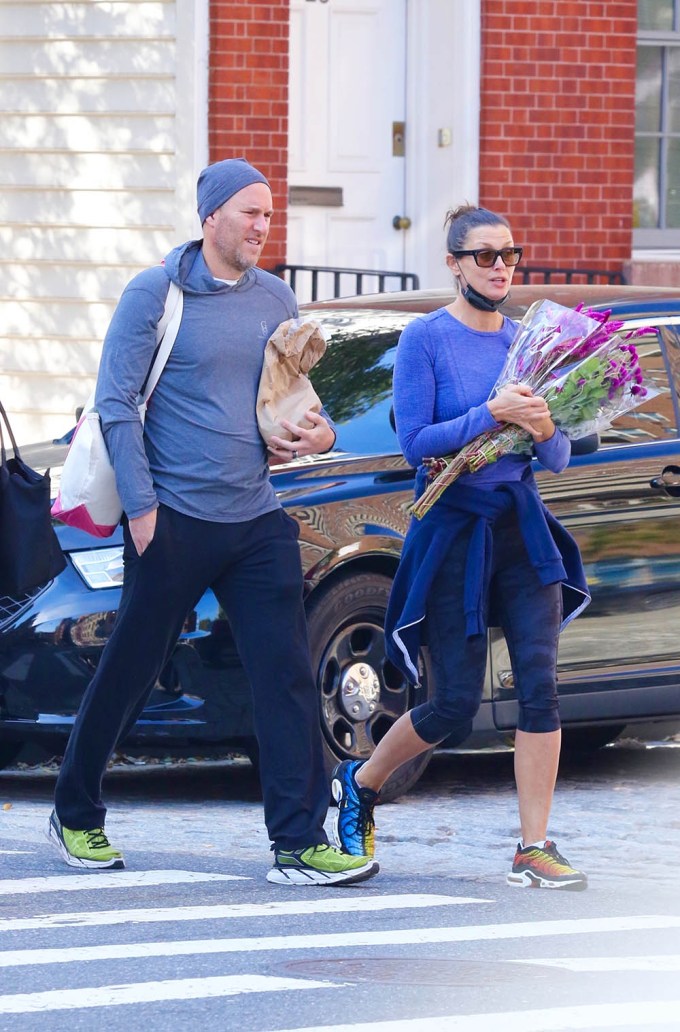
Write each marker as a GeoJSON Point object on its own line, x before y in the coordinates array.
{"type": "Point", "coordinates": [656, 418]}
{"type": "Point", "coordinates": [656, 201]}
{"type": "Point", "coordinates": [354, 377]}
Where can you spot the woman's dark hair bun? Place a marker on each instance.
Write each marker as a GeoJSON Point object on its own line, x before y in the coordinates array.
{"type": "Point", "coordinates": [458, 213]}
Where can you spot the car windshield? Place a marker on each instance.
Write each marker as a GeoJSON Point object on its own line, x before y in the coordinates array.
{"type": "Point", "coordinates": [354, 378]}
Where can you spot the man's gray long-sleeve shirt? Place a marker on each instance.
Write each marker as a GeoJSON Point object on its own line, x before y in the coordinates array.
{"type": "Point", "coordinates": [200, 452]}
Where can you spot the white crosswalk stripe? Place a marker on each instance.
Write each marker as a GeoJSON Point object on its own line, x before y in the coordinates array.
{"type": "Point", "coordinates": [97, 880]}
{"type": "Point", "coordinates": [659, 962]}
{"type": "Point", "coordinates": [356, 940]}
{"type": "Point", "coordinates": [605, 1015]}
{"type": "Point", "coordinates": [153, 992]}
{"type": "Point", "coordinates": [336, 904]}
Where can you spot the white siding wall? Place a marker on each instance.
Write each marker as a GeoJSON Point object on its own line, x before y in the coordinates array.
{"type": "Point", "coordinates": [102, 131]}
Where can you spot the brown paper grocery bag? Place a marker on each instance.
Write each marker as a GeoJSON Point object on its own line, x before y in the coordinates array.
{"type": "Point", "coordinates": [285, 390]}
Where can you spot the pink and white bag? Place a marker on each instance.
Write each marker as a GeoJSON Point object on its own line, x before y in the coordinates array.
{"type": "Point", "coordinates": [88, 498]}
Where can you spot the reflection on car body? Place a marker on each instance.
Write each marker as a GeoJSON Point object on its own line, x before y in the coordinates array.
{"type": "Point", "coordinates": [619, 663]}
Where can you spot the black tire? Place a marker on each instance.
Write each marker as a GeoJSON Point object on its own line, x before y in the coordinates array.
{"type": "Point", "coordinates": [361, 694]}
{"type": "Point", "coordinates": [9, 752]}
{"type": "Point", "coordinates": [579, 741]}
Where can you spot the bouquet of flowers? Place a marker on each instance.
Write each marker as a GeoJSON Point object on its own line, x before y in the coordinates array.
{"type": "Point", "coordinates": [588, 373]}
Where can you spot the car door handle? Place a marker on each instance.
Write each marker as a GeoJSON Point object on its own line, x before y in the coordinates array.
{"type": "Point", "coordinates": [669, 481]}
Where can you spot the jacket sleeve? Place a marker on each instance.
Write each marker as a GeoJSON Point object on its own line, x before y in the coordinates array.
{"type": "Point", "coordinates": [555, 453]}
{"type": "Point", "coordinates": [128, 352]}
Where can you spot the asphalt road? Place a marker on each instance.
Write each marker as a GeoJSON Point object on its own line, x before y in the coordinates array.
{"type": "Point", "coordinates": [191, 933]}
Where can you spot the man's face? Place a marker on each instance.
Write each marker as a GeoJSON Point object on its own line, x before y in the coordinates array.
{"type": "Point", "coordinates": [240, 228]}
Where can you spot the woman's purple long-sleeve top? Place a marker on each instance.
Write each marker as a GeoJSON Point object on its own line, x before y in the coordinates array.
{"type": "Point", "coordinates": [443, 376]}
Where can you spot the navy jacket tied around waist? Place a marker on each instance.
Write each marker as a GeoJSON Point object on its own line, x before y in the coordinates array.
{"type": "Point", "coordinates": [551, 550]}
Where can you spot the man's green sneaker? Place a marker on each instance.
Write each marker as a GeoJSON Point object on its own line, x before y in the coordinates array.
{"type": "Point", "coordinates": [320, 865]}
{"type": "Point", "coordinates": [90, 849]}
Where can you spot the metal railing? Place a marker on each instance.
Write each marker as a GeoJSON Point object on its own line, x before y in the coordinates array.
{"type": "Point", "coordinates": [405, 280]}
{"type": "Point", "coordinates": [309, 278]}
{"type": "Point", "coordinates": [550, 274]}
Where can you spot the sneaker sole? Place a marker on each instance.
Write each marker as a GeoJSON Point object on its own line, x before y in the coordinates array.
{"type": "Point", "coordinates": [308, 876]}
{"type": "Point", "coordinates": [117, 864]}
{"type": "Point", "coordinates": [534, 881]}
{"type": "Point", "coordinates": [338, 795]}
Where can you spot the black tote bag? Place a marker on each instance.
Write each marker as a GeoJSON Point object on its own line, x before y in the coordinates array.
{"type": "Point", "coordinates": [29, 550]}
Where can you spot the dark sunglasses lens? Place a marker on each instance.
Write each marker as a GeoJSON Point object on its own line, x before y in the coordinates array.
{"type": "Point", "coordinates": [510, 255]}
{"type": "Point", "coordinates": [485, 259]}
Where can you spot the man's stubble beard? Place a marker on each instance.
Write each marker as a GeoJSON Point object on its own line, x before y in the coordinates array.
{"type": "Point", "coordinates": [234, 256]}
{"type": "Point", "coordinates": [240, 262]}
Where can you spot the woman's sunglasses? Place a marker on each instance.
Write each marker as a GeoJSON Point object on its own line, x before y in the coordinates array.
{"type": "Point", "coordinates": [485, 258]}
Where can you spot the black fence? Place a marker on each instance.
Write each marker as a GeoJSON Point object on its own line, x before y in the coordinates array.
{"type": "Point", "coordinates": [550, 274]}
{"type": "Point", "coordinates": [339, 282]}
{"type": "Point", "coordinates": [312, 277]}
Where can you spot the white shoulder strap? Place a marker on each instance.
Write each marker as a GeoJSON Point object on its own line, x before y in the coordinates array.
{"type": "Point", "coordinates": [166, 333]}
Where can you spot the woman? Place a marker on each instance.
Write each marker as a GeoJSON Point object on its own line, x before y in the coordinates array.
{"type": "Point", "coordinates": [488, 550]}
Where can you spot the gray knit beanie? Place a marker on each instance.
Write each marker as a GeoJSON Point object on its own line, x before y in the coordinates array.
{"type": "Point", "coordinates": [218, 182]}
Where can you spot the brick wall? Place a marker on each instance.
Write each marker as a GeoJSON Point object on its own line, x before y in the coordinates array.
{"type": "Point", "coordinates": [557, 127]}
{"type": "Point", "coordinates": [248, 97]}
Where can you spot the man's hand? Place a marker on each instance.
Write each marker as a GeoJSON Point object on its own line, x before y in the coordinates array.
{"type": "Point", "coordinates": [142, 530]}
{"type": "Point", "coordinates": [307, 442]}
{"type": "Point", "coordinates": [517, 404]}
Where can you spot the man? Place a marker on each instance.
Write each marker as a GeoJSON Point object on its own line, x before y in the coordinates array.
{"type": "Point", "coordinates": [201, 511]}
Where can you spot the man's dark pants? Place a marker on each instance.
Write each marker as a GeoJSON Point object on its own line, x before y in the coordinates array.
{"type": "Point", "coordinates": [254, 571]}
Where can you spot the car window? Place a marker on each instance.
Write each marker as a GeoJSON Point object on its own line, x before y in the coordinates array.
{"type": "Point", "coordinates": [670, 336]}
{"type": "Point", "coordinates": [354, 381]}
{"type": "Point", "coordinates": [655, 419]}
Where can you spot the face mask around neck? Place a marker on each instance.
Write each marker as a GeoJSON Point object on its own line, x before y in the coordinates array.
{"type": "Point", "coordinates": [479, 301]}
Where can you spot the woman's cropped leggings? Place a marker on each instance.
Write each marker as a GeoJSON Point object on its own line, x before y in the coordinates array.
{"type": "Point", "coordinates": [530, 615]}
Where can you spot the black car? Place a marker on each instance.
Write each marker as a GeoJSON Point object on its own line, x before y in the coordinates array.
{"type": "Point", "coordinates": [619, 663]}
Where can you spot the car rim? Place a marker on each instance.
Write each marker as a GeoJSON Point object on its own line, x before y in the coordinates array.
{"type": "Point", "coordinates": [362, 693]}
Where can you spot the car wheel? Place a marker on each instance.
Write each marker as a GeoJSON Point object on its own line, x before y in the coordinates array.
{"type": "Point", "coordinates": [581, 741]}
{"type": "Point", "coordinates": [9, 752]}
{"type": "Point", "coordinates": [361, 694]}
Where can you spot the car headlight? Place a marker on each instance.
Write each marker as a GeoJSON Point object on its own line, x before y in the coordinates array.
{"type": "Point", "coordinates": [100, 567]}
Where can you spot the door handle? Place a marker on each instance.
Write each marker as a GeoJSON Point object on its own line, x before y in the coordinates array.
{"type": "Point", "coordinates": [666, 482]}
{"type": "Point", "coordinates": [401, 222]}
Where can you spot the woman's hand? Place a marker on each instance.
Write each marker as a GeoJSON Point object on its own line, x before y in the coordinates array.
{"type": "Point", "coordinates": [517, 404]}
{"type": "Point", "coordinates": [319, 438]}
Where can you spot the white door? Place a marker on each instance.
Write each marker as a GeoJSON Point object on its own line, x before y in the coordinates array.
{"type": "Point", "coordinates": [346, 167]}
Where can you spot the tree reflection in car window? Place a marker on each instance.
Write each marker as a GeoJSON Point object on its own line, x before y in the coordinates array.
{"type": "Point", "coordinates": [655, 419]}
{"type": "Point", "coordinates": [354, 378]}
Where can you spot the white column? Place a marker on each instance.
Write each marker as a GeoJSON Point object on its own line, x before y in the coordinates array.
{"type": "Point", "coordinates": [191, 118]}
{"type": "Point", "coordinates": [442, 94]}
